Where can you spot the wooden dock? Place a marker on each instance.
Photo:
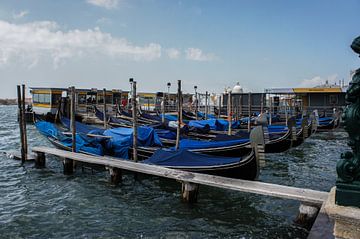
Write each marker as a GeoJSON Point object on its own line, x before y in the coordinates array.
{"type": "Point", "coordinates": [189, 180]}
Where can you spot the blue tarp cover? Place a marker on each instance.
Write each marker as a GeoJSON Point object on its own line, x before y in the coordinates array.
{"type": "Point", "coordinates": [122, 139]}
{"type": "Point", "coordinates": [82, 128]}
{"type": "Point", "coordinates": [214, 124]}
{"type": "Point", "coordinates": [184, 158]}
{"type": "Point", "coordinates": [201, 144]}
{"type": "Point", "coordinates": [83, 143]}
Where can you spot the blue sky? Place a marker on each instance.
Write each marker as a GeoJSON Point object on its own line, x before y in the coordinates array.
{"type": "Point", "coordinates": [211, 44]}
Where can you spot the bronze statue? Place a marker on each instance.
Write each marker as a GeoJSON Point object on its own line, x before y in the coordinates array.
{"type": "Point", "coordinates": [348, 168]}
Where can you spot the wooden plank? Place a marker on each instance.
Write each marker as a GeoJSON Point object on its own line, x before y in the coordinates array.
{"type": "Point", "coordinates": [301, 194]}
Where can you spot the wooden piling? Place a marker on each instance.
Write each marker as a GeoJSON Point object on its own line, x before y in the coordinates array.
{"type": "Point", "coordinates": [196, 105]}
{"type": "Point", "coordinates": [21, 122]}
{"type": "Point", "coordinates": [69, 163]}
{"type": "Point", "coordinates": [24, 121]}
{"type": "Point", "coordinates": [249, 105]}
{"type": "Point", "coordinates": [115, 175]}
{"type": "Point", "coordinates": [270, 111]}
{"type": "Point", "coordinates": [219, 111]}
{"type": "Point", "coordinates": [240, 103]}
{"type": "Point", "coordinates": [179, 115]}
{"type": "Point", "coordinates": [262, 103]}
{"type": "Point", "coordinates": [229, 114]}
{"type": "Point", "coordinates": [163, 110]}
{"type": "Point", "coordinates": [40, 160]}
{"type": "Point", "coordinates": [104, 110]}
{"type": "Point", "coordinates": [206, 105]}
{"type": "Point", "coordinates": [134, 115]}
{"type": "Point", "coordinates": [189, 192]}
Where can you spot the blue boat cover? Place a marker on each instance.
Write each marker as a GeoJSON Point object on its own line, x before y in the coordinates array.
{"type": "Point", "coordinates": [201, 144]}
{"type": "Point", "coordinates": [122, 140]}
{"type": "Point", "coordinates": [214, 124]}
{"type": "Point", "coordinates": [83, 143]}
{"type": "Point", "coordinates": [170, 117]}
{"type": "Point", "coordinates": [209, 116]}
{"type": "Point", "coordinates": [165, 134]}
{"type": "Point", "coordinates": [184, 158]}
{"type": "Point", "coordinates": [82, 128]}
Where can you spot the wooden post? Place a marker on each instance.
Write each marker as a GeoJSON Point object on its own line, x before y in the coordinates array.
{"type": "Point", "coordinates": [229, 113]}
{"type": "Point", "coordinates": [218, 116]}
{"type": "Point", "coordinates": [206, 105]}
{"type": "Point", "coordinates": [24, 121]}
{"type": "Point", "coordinates": [115, 175]}
{"type": "Point", "coordinates": [286, 114]}
{"type": "Point", "coordinates": [104, 110]}
{"type": "Point", "coordinates": [69, 163]}
{"type": "Point", "coordinates": [189, 192]}
{"type": "Point", "coordinates": [262, 103]}
{"type": "Point", "coordinates": [270, 115]}
{"type": "Point", "coordinates": [134, 115]}
{"type": "Point", "coordinates": [179, 114]}
{"type": "Point", "coordinates": [249, 105]}
{"type": "Point", "coordinates": [196, 105]}
{"type": "Point", "coordinates": [40, 160]}
{"type": "Point", "coordinates": [163, 110]}
{"type": "Point", "coordinates": [241, 109]}
{"type": "Point", "coordinates": [307, 215]}
{"type": "Point", "coordinates": [21, 122]}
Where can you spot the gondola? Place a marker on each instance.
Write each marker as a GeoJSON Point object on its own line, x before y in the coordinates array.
{"type": "Point", "coordinates": [245, 167]}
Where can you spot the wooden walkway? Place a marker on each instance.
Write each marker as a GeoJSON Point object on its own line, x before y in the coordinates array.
{"type": "Point", "coordinates": [304, 195]}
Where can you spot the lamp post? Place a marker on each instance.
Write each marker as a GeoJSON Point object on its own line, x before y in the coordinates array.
{"type": "Point", "coordinates": [168, 93]}
{"type": "Point", "coordinates": [196, 103]}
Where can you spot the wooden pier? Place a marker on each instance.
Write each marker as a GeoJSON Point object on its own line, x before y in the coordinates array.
{"type": "Point", "coordinates": [189, 180]}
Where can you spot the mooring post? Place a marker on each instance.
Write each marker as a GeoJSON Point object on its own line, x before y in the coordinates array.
{"type": "Point", "coordinates": [270, 104]}
{"type": "Point", "coordinates": [69, 163]}
{"type": "Point", "coordinates": [162, 104]}
{"type": "Point", "coordinates": [189, 192]}
{"type": "Point", "coordinates": [307, 215]}
{"type": "Point", "coordinates": [219, 111]}
{"type": "Point", "coordinates": [286, 113]}
{"type": "Point", "coordinates": [115, 175]}
{"type": "Point", "coordinates": [21, 122]}
{"type": "Point", "coordinates": [249, 105]}
{"type": "Point", "coordinates": [24, 121]}
{"type": "Point", "coordinates": [40, 160]}
{"type": "Point", "coordinates": [104, 110]}
{"type": "Point", "coordinates": [206, 105]}
{"type": "Point", "coordinates": [179, 114]}
{"type": "Point", "coordinates": [262, 103]}
{"type": "Point", "coordinates": [229, 113]}
{"type": "Point", "coordinates": [240, 105]}
{"type": "Point", "coordinates": [134, 115]}
{"type": "Point", "coordinates": [196, 103]}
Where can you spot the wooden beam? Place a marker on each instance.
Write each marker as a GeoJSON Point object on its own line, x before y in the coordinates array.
{"type": "Point", "coordinates": [104, 110]}
{"type": "Point", "coordinates": [179, 114]}
{"type": "Point", "coordinates": [24, 121]}
{"type": "Point", "coordinates": [304, 195]}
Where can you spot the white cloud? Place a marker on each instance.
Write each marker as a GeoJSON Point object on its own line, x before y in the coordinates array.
{"type": "Point", "coordinates": [173, 53]}
{"type": "Point", "coordinates": [317, 80]}
{"type": "Point", "coordinates": [108, 4]}
{"type": "Point", "coordinates": [197, 54]}
{"type": "Point", "coordinates": [20, 14]}
{"type": "Point", "coordinates": [29, 43]}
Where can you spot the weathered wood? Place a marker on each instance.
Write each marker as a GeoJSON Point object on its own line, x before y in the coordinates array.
{"type": "Point", "coordinates": [206, 105]}
{"type": "Point", "coordinates": [229, 114]}
{"type": "Point", "coordinates": [219, 112]}
{"type": "Point", "coordinates": [21, 122]}
{"type": "Point", "coordinates": [72, 120]}
{"type": "Point", "coordinates": [40, 160]}
{"type": "Point", "coordinates": [68, 166]}
{"type": "Point", "coordinates": [249, 105]}
{"type": "Point", "coordinates": [115, 175]}
{"type": "Point", "coordinates": [24, 121]}
{"type": "Point", "coordinates": [179, 114]}
{"type": "Point", "coordinates": [104, 110]}
{"type": "Point", "coordinates": [270, 110]}
{"type": "Point", "coordinates": [134, 119]}
{"type": "Point", "coordinates": [189, 192]}
{"type": "Point", "coordinates": [301, 194]}
{"type": "Point", "coordinates": [307, 215]}
{"type": "Point", "coordinates": [262, 103]}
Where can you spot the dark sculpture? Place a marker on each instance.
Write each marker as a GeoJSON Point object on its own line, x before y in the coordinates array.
{"type": "Point", "coordinates": [348, 168]}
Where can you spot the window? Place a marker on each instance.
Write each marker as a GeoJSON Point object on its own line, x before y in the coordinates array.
{"type": "Point", "coordinates": [42, 98]}
{"type": "Point", "coordinates": [333, 99]}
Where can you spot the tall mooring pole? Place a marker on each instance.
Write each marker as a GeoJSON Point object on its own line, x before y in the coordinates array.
{"type": "Point", "coordinates": [134, 115]}
{"type": "Point", "coordinates": [21, 122]}
{"type": "Point", "coordinates": [249, 105]}
{"type": "Point", "coordinates": [24, 121]}
{"type": "Point", "coordinates": [229, 113]}
{"type": "Point", "coordinates": [179, 115]}
{"type": "Point", "coordinates": [104, 110]}
{"type": "Point", "coordinates": [72, 120]}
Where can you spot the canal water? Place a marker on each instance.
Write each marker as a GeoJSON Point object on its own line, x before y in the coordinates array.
{"type": "Point", "coordinates": [45, 203]}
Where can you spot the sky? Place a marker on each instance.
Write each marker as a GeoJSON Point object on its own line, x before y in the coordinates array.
{"type": "Point", "coordinates": [212, 44]}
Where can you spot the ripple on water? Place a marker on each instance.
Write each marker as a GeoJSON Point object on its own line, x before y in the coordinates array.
{"type": "Point", "coordinates": [46, 204]}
